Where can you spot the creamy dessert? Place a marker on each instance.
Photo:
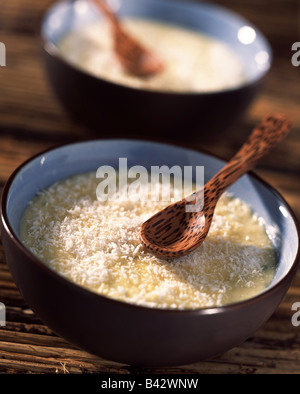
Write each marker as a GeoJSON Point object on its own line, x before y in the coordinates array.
{"type": "Point", "coordinates": [96, 244]}
{"type": "Point", "coordinates": [193, 62]}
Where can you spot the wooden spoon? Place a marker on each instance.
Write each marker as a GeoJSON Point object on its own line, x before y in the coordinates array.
{"type": "Point", "coordinates": [133, 56]}
{"type": "Point", "coordinates": [174, 232]}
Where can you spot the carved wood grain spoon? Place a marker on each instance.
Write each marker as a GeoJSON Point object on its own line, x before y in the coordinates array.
{"type": "Point", "coordinates": [134, 57]}
{"type": "Point", "coordinates": [174, 232]}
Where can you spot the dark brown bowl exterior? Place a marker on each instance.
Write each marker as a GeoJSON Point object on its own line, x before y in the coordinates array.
{"type": "Point", "coordinates": [127, 333]}
{"type": "Point", "coordinates": [102, 105]}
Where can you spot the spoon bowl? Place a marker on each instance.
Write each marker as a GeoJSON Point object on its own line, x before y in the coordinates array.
{"type": "Point", "coordinates": [182, 226]}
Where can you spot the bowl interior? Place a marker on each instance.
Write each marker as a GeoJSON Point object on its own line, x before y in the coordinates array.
{"type": "Point", "coordinates": [54, 165]}
{"type": "Point", "coordinates": [244, 38]}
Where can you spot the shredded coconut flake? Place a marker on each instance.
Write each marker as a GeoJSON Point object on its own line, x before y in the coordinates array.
{"type": "Point", "coordinates": [192, 61]}
{"type": "Point", "coordinates": [96, 244]}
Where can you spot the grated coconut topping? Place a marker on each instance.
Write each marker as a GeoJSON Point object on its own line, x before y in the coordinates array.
{"type": "Point", "coordinates": [96, 245]}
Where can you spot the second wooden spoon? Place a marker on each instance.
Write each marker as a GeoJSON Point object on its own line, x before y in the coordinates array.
{"type": "Point", "coordinates": [134, 57]}
{"type": "Point", "coordinates": [174, 232]}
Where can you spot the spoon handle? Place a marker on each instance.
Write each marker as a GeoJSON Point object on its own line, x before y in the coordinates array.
{"type": "Point", "coordinates": [264, 137]}
{"type": "Point", "coordinates": [106, 10]}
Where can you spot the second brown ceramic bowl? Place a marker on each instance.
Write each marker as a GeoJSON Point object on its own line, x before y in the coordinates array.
{"type": "Point", "coordinates": [124, 111]}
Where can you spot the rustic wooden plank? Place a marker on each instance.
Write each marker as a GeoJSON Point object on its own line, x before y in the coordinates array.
{"type": "Point", "coordinates": [24, 323]}
{"type": "Point", "coordinates": [11, 295]}
{"type": "Point", "coordinates": [237, 360]}
{"type": "Point", "coordinates": [35, 365]}
{"type": "Point", "coordinates": [33, 339]}
{"type": "Point", "coordinates": [5, 276]}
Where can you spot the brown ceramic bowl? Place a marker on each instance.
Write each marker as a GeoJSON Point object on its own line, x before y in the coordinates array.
{"type": "Point", "coordinates": [124, 111]}
{"type": "Point", "coordinates": [117, 330]}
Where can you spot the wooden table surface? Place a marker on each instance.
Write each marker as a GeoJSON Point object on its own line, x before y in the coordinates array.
{"type": "Point", "coordinates": [31, 120]}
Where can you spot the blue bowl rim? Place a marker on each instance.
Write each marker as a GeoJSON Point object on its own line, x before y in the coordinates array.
{"type": "Point", "coordinates": [68, 283]}
{"type": "Point", "coordinates": [54, 52]}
